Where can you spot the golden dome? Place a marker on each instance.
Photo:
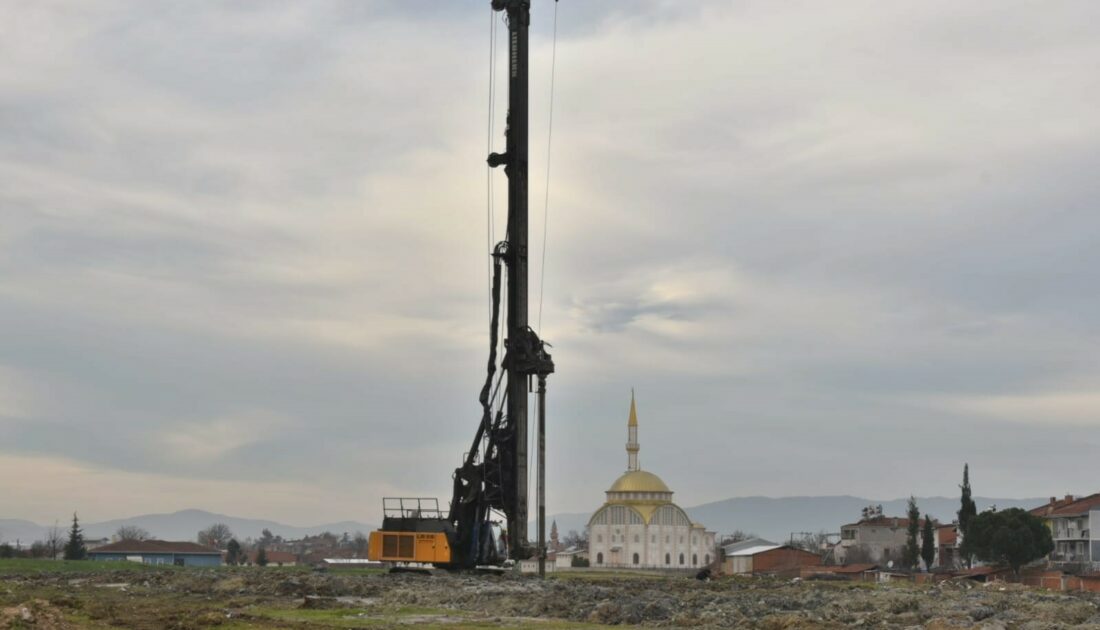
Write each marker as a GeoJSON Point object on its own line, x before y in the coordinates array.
{"type": "Point", "coordinates": [639, 481]}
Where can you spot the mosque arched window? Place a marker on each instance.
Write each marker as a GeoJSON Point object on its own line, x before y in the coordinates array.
{"type": "Point", "coordinates": [599, 558]}
{"type": "Point", "coordinates": [635, 558]}
{"type": "Point", "coordinates": [668, 559]}
{"type": "Point", "coordinates": [681, 559]}
{"type": "Point", "coordinates": [694, 560]}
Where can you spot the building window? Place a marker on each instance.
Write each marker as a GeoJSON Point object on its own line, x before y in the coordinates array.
{"type": "Point", "coordinates": [599, 558]}
{"type": "Point", "coordinates": [668, 559]}
{"type": "Point", "coordinates": [635, 558]}
{"type": "Point", "coordinates": [694, 560]}
{"type": "Point", "coordinates": [635, 540]}
{"type": "Point", "coordinates": [681, 542]}
{"type": "Point", "coordinates": [681, 559]}
{"type": "Point", "coordinates": [707, 559]}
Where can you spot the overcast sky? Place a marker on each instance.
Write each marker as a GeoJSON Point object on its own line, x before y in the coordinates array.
{"type": "Point", "coordinates": [836, 248]}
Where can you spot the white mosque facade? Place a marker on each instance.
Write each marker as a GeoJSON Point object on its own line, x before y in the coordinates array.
{"type": "Point", "coordinates": [640, 527]}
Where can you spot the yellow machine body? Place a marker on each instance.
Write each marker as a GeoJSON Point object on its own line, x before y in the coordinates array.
{"type": "Point", "coordinates": [425, 547]}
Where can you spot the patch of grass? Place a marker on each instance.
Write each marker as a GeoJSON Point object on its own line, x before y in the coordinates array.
{"type": "Point", "coordinates": [9, 566]}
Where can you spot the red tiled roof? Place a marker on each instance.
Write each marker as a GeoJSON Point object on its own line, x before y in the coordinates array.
{"type": "Point", "coordinates": [154, 546]}
{"type": "Point", "coordinates": [274, 557]}
{"type": "Point", "coordinates": [1080, 506]}
{"type": "Point", "coordinates": [1055, 503]}
{"type": "Point", "coordinates": [885, 521]}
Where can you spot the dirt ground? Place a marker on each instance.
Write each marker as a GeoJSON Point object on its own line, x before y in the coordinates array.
{"type": "Point", "coordinates": [272, 598]}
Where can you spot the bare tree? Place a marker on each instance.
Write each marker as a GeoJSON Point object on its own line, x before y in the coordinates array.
{"type": "Point", "coordinates": [575, 539]}
{"type": "Point", "coordinates": [131, 533]}
{"type": "Point", "coordinates": [361, 543]}
{"type": "Point", "coordinates": [736, 536]}
{"type": "Point", "coordinates": [814, 543]}
{"type": "Point", "coordinates": [216, 536]}
{"type": "Point", "coordinates": [55, 540]}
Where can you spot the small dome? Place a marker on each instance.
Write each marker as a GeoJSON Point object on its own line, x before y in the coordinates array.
{"type": "Point", "coordinates": [639, 481]}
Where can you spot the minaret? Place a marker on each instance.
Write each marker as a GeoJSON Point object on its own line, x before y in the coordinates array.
{"type": "Point", "coordinates": [632, 436]}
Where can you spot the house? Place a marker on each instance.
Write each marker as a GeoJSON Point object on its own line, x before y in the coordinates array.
{"type": "Point", "coordinates": [274, 558]}
{"type": "Point", "coordinates": [564, 559]}
{"type": "Point", "coordinates": [877, 539]}
{"type": "Point", "coordinates": [947, 546]}
{"type": "Point", "coordinates": [1055, 503]}
{"type": "Point", "coordinates": [158, 552]}
{"type": "Point", "coordinates": [775, 559]}
{"type": "Point", "coordinates": [1076, 541]}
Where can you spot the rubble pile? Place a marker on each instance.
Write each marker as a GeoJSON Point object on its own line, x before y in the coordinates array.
{"type": "Point", "coordinates": [611, 600]}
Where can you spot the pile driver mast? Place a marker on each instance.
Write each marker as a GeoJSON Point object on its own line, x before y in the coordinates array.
{"type": "Point", "coordinates": [494, 473]}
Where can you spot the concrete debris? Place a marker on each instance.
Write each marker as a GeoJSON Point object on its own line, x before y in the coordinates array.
{"type": "Point", "coordinates": [592, 598]}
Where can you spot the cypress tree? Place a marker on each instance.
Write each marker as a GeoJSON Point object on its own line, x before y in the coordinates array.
{"type": "Point", "coordinates": [928, 543]}
{"type": "Point", "coordinates": [74, 548]}
{"type": "Point", "coordinates": [911, 558]}
{"type": "Point", "coordinates": [967, 511]}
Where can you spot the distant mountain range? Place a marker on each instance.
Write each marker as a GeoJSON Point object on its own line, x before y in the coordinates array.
{"type": "Point", "coordinates": [777, 518]}
{"type": "Point", "coordinates": [772, 518]}
{"type": "Point", "coordinates": [182, 525]}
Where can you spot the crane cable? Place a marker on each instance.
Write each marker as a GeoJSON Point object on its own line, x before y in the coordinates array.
{"type": "Point", "coordinates": [549, 138]}
{"type": "Point", "coordinates": [533, 407]}
{"type": "Point", "coordinates": [490, 219]}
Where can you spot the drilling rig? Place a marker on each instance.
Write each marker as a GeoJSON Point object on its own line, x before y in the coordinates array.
{"type": "Point", "coordinates": [486, 522]}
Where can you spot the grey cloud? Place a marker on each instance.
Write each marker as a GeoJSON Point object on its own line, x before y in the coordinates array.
{"type": "Point", "coordinates": [796, 230]}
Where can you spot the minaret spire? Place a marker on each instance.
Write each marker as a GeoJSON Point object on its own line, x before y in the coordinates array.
{"type": "Point", "coordinates": [632, 435]}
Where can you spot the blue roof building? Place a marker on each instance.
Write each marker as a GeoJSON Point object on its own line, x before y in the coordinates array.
{"type": "Point", "coordinates": [158, 552]}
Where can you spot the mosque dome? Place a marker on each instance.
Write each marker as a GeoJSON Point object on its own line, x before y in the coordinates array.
{"type": "Point", "coordinates": [639, 481]}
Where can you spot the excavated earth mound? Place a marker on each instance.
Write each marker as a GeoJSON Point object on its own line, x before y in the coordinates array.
{"type": "Point", "coordinates": [116, 598]}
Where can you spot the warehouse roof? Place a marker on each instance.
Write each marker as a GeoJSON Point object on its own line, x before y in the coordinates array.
{"type": "Point", "coordinates": [752, 551]}
{"type": "Point", "coordinates": [155, 546]}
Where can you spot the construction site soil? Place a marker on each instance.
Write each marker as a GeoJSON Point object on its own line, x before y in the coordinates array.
{"type": "Point", "coordinates": [278, 598]}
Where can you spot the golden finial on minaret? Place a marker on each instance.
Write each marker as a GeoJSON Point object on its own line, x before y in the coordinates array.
{"type": "Point", "coordinates": [632, 435]}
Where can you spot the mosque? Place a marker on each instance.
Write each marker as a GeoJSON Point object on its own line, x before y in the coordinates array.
{"type": "Point", "coordinates": [639, 526]}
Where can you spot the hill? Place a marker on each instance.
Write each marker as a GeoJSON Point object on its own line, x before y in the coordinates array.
{"type": "Point", "coordinates": [777, 518]}
{"type": "Point", "coordinates": [182, 525]}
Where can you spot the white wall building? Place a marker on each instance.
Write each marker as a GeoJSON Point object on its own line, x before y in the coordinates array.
{"type": "Point", "coordinates": [640, 527]}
